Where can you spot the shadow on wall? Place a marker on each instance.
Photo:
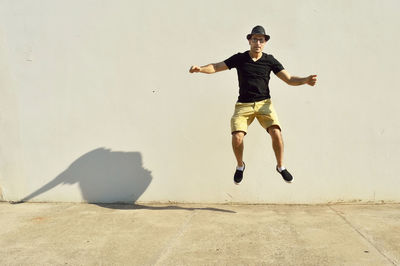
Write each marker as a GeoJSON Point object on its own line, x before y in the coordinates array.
{"type": "Point", "coordinates": [104, 176]}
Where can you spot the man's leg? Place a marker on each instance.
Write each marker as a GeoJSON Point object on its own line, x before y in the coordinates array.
{"type": "Point", "coordinates": [238, 146]}
{"type": "Point", "coordinates": [241, 119]}
{"type": "Point", "coordinates": [277, 143]}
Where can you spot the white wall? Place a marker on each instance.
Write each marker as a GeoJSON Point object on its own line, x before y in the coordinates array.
{"type": "Point", "coordinates": [96, 102]}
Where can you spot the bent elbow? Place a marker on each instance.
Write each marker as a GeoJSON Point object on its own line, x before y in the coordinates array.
{"type": "Point", "coordinates": [292, 81]}
{"type": "Point", "coordinates": [289, 82]}
{"type": "Point", "coordinates": [214, 68]}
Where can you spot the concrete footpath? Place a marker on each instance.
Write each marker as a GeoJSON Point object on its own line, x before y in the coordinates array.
{"type": "Point", "coordinates": [206, 234]}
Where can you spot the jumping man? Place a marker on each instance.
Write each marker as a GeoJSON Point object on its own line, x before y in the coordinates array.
{"type": "Point", "coordinates": [254, 101]}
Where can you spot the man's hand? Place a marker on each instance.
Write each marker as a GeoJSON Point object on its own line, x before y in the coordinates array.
{"type": "Point", "coordinates": [194, 69]}
{"type": "Point", "coordinates": [311, 80]}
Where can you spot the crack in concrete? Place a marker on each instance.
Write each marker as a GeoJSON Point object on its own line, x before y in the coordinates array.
{"type": "Point", "coordinates": [172, 242]}
{"type": "Point", "coordinates": [362, 235]}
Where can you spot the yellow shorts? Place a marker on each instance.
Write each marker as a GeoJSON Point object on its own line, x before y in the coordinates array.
{"type": "Point", "coordinates": [246, 112]}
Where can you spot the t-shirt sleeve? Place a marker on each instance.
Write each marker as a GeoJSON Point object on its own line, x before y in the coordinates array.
{"type": "Point", "coordinates": [232, 61]}
{"type": "Point", "coordinates": [276, 66]}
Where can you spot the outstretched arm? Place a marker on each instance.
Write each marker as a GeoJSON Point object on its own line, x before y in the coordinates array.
{"type": "Point", "coordinates": [210, 68]}
{"type": "Point", "coordinates": [295, 81]}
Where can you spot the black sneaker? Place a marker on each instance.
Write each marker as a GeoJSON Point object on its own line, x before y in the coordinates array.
{"type": "Point", "coordinates": [286, 175]}
{"type": "Point", "coordinates": [237, 178]}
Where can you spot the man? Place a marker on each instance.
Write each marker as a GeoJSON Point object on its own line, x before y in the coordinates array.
{"type": "Point", "coordinates": [253, 69]}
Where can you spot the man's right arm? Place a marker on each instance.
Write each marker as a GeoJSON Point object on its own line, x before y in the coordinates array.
{"type": "Point", "coordinates": [210, 68]}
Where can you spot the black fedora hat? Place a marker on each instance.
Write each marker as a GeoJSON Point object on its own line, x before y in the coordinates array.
{"type": "Point", "coordinates": [258, 30]}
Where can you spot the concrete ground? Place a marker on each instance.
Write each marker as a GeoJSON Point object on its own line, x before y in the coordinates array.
{"type": "Point", "coordinates": [206, 234]}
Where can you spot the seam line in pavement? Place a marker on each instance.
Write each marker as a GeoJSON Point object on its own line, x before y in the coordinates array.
{"type": "Point", "coordinates": [172, 242]}
{"type": "Point", "coordinates": [361, 234]}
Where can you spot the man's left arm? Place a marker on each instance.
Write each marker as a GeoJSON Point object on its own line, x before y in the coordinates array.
{"type": "Point", "coordinates": [296, 81]}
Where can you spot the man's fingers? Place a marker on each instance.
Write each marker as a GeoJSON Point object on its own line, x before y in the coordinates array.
{"type": "Point", "coordinates": [312, 80]}
{"type": "Point", "coordinates": [194, 69]}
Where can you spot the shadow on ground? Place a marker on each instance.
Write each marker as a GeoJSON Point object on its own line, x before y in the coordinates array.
{"type": "Point", "coordinates": [150, 207]}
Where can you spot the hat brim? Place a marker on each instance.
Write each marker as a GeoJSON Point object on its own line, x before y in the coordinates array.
{"type": "Point", "coordinates": [267, 37]}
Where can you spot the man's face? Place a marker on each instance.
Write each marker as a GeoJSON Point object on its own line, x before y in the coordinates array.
{"type": "Point", "coordinates": [257, 43]}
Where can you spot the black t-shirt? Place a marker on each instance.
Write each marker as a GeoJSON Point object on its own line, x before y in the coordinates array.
{"type": "Point", "coordinates": [253, 76]}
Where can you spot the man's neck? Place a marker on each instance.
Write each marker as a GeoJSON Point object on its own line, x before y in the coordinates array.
{"type": "Point", "coordinates": [255, 55]}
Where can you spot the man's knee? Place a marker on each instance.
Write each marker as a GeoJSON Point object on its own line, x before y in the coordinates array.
{"type": "Point", "coordinates": [237, 137]}
{"type": "Point", "coordinates": [274, 131]}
